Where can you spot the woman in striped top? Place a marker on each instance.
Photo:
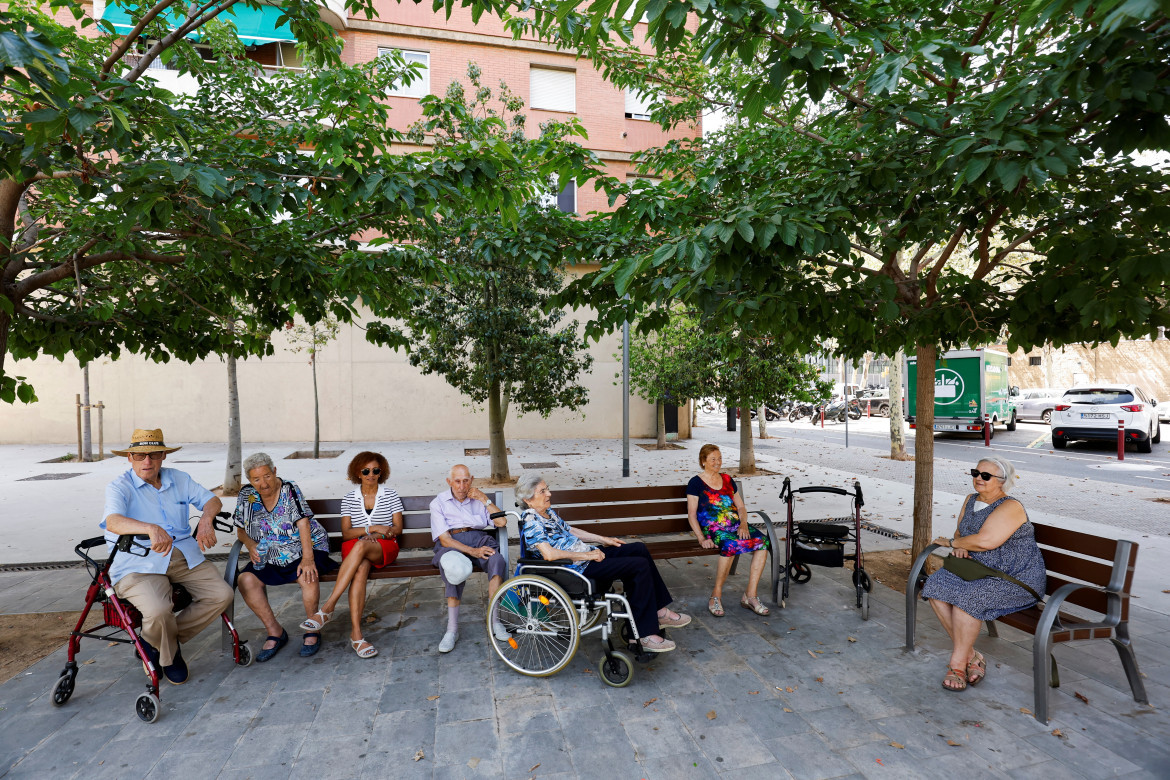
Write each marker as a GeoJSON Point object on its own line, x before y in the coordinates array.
{"type": "Point", "coordinates": [371, 523]}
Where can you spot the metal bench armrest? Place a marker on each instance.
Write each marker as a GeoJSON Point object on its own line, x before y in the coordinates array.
{"type": "Point", "coordinates": [1050, 616]}
{"type": "Point", "coordinates": [912, 594]}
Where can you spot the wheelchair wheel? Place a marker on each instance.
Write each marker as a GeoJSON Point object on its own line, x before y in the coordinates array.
{"type": "Point", "coordinates": [64, 687]}
{"type": "Point", "coordinates": [799, 572]}
{"type": "Point", "coordinates": [617, 673]}
{"type": "Point", "coordinates": [147, 708]}
{"type": "Point", "coordinates": [626, 632]}
{"type": "Point", "coordinates": [542, 621]}
{"type": "Point", "coordinates": [246, 655]}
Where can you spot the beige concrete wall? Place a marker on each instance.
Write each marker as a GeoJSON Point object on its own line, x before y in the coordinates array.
{"type": "Point", "coordinates": [1143, 363]}
{"type": "Point", "coordinates": [367, 393]}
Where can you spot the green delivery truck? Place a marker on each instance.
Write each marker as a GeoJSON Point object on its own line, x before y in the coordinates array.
{"type": "Point", "coordinates": [968, 383]}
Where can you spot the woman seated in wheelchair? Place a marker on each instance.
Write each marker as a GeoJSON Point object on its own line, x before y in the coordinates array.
{"type": "Point", "coordinates": [548, 536]}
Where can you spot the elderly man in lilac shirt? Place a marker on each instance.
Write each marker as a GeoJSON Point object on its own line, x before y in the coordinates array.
{"type": "Point", "coordinates": [460, 520]}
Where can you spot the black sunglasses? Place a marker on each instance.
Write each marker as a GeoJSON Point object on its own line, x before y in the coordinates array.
{"type": "Point", "coordinates": [366, 472]}
{"type": "Point", "coordinates": [985, 474]}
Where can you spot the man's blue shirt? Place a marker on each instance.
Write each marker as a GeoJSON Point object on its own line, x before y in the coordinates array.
{"type": "Point", "coordinates": [169, 507]}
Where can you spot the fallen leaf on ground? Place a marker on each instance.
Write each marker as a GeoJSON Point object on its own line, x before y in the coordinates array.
{"type": "Point", "coordinates": [787, 710]}
{"type": "Point", "coordinates": [851, 638]}
{"type": "Point", "coordinates": [1081, 696]}
{"type": "Point", "coordinates": [90, 661]}
{"type": "Point", "coordinates": [753, 693]}
{"type": "Point", "coordinates": [711, 715]}
{"type": "Point", "coordinates": [418, 756]}
{"type": "Point", "coordinates": [820, 679]}
{"type": "Point", "coordinates": [432, 698]}
{"type": "Point", "coordinates": [788, 690]}
{"type": "Point", "coordinates": [371, 618]}
{"type": "Point", "coordinates": [473, 763]}
{"type": "Point", "coordinates": [111, 644]}
{"type": "Point", "coordinates": [533, 768]}
{"type": "Point", "coordinates": [648, 703]}
{"type": "Point", "coordinates": [898, 745]}
{"type": "Point", "coordinates": [1057, 733]}
{"type": "Point", "coordinates": [952, 743]}
{"type": "Point", "coordinates": [1025, 710]}
{"type": "Point", "coordinates": [810, 652]}
{"type": "Point", "coordinates": [415, 605]}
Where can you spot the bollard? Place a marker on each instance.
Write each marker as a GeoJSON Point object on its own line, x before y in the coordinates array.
{"type": "Point", "coordinates": [101, 431]}
{"type": "Point", "coordinates": [868, 409]}
{"type": "Point", "coordinates": [987, 430]}
{"type": "Point", "coordinates": [822, 417]}
{"type": "Point", "coordinates": [1121, 439]}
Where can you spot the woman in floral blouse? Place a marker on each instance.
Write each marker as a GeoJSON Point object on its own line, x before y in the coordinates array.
{"type": "Point", "coordinates": [285, 545]}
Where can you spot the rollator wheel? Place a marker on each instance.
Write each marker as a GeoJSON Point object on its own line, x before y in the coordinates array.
{"type": "Point", "coordinates": [864, 605]}
{"type": "Point", "coordinates": [618, 672]}
{"type": "Point", "coordinates": [64, 688]}
{"type": "Point", "coordinates": [799, 572]}
{"type": "Point", "coordinates": [246, 655]}
{"type": "Point", "coordinates": [147, 708]}
{"type": "Point", "coordinates": [541, 621]}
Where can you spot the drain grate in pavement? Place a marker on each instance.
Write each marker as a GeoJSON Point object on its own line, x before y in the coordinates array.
{"type": "Point", "coordinates": [883, 531]}
{"type": "Point", "coordinates": [544, 465]}
{"type": "Point", "coordinates": [472, 451]}
{"type": "Point", "coordinates": [60, 475]}
{"type": "Point", "coordinates": [308, 454]}
{"type": "Point", "coordinates": [64, 565]}
{"type": "Point", "coordinates": [565, 454]}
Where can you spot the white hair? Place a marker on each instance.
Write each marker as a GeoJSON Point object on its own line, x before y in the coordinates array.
{"type": "Point", "coordinates": [255, 461]}
{"type": "Point", "coordinates": [1006, 469]}
{"type": "Point", "coordinates": [526, 486]}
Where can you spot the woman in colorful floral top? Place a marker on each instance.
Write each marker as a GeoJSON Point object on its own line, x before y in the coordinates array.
{"type": "Point", "coordinates": [548, 536]}
{"type": "Point", "coordinates": [719, 519]}
{"type": "Point", "coordinates": [285, 545]}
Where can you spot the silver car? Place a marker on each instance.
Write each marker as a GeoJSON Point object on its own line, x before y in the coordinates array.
{"type": "Point", "coordinates": [1037, 403]}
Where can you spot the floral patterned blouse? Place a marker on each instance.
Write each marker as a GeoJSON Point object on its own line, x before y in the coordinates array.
{"type": "Point", "coordinates": [277, 529]}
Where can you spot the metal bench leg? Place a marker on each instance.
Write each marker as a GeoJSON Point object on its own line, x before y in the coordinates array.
{"type": "Point", "coordinates": [1041, 655]}
{"type": "Point", "coordinates": [911, 615]}
{"type": "Point", "coordinates": [1130, 664]}
{"type": "Point", "coordinates": [992, 631]}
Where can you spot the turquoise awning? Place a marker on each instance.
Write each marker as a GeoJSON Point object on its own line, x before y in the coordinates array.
{"type": "Point", "coordinates": [254, 26]}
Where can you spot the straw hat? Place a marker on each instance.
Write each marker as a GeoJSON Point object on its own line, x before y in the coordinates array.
{"type": "Point", "coordinates": [146, 441]}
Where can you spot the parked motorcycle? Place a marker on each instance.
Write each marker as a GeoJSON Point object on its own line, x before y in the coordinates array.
{"type": "Point", "coordinates": [836, 410]}
{"type": "Point", "coordinates": [801, 409]}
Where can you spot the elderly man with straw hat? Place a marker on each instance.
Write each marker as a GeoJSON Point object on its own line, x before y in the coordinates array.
{"type": "Point", "coordinates": [157, 502]}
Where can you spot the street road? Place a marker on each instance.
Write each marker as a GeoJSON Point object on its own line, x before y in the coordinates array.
{"type": "Point", "coordinates": [1029, 448]}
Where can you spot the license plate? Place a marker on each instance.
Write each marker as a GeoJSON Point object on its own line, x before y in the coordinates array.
{"type": "Point", "coordinates": [945, 427]}
{"type": "Point", "coordinates": [1095, 416]}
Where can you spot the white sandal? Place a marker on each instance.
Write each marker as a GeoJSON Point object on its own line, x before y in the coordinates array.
{"type": "Point", "coordinates": [316, 625]}
{"type": "Point", "coordinates": [368, 652]}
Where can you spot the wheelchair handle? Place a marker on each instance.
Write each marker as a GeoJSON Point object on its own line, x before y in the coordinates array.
{"type": "Point", "coordinates": [220, 523]}
{"type": "Point", "coordinates": [823, 489]}
{"type": "Point", "coordinates": [129, 543]}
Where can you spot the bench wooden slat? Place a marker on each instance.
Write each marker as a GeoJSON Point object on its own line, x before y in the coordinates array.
{"type": "Point", "coordinates": [1075, 541]}
{"type": "Point", "coordinates": [603, 495]}
{"type": "Point", "coordinates": [1072, 567]}
{"type": "Point", "coordinates": [611, 511]}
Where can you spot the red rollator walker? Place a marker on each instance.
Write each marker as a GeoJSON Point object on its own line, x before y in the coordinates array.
{"type": "Point", "coordinates": [120, 615]}
{"type": "Point", "coordinates": [822, 543]}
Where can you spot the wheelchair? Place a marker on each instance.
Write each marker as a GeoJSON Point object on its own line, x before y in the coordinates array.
{"type": "Point", "coordinates": [547, 607]}
{"type": "Point", "coordinates": [120, 615]}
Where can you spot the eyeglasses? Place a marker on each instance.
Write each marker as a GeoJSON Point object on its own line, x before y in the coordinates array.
{"type": "Point", "coordinates": [985, 474]}
{"type": "Point", "coordinates": [366, 472]}
{"type": "Point", "coordinates": [141, 456]}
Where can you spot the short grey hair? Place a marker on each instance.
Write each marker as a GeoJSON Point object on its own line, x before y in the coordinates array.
{"type": "Point", "coordinates": [526, 486]}
{"type": "Point", "coordinates": [255, 461]}
{"type": "Point", "coordinates": [1005, 467]}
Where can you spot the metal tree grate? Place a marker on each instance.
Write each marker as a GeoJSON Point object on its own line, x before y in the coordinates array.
{"type": "Point", "coordinates": [59, 475]}
{"type": "Point", "coordinates": [543, 465]}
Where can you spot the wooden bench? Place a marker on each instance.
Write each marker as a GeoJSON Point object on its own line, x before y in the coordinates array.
{"type": "Point", "coordinates": [1091, 572]}
{"type": "Point", "coordinates": [657, 512]}
{"type": "Point", "coordinates": [416, 548]}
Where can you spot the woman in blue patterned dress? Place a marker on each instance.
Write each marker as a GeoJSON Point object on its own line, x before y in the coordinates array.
{"type": "Point", "coordinates": [719, 519]}
{"type": "Point", "coordinates": [994, 530]}
{"type": "Point", "coordinates": [285, 544]}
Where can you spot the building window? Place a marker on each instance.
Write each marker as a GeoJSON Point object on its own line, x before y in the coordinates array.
{"type": "Point", "coordinates": [1034, 361]}
{"type": "Point", "coordinates": [562, 199]}
{"type": "Point", "coordinates": [552, 90]}
{"type": "Point", "coordinates": [421, 83]}
{"type": "Point", "coordinates": [637, 105]}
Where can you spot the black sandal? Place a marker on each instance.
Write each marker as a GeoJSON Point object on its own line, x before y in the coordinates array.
{"type": "Point", "coordinates": [310, 649]}
{"type": "Point", "coordinates": [266, 655]}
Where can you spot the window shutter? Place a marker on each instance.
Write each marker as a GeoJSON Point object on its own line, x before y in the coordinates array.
{"type": "Point", "coordinates": [637, 105]}
{"type": "Point", "coordinates": [552, 90]}
{"type": "Point", "coordinates": [567, 198]}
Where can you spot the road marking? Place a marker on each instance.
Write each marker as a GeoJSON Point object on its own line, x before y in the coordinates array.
{"type": "Point", "coordinates": [1038, 444]}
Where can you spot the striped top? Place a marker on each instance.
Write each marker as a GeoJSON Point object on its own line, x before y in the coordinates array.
{"type": "Point", "coordinates": [386, 505]}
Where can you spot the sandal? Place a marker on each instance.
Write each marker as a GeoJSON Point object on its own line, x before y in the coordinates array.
{"type": "Point", "coordinates": [369, 651]}
{"type": "Point", "coordinates": [678, 621]}
{"type": "Point", "coordinates": [310, 649]}
{"type": "Point", "coordinates": [661, 646]}
{"type": "Point", "coordinates": [714, 606]}
{"type": "Point", "coordinates": [311, 624]}
{"type": "Point", "coordinates": [957, 677]}
{"type": "Point", "coordinates": [754, 605]}
{"type": "Point", "coordinates": [266, 655]}
{"type": "Point", "coordinates": [976, 668]}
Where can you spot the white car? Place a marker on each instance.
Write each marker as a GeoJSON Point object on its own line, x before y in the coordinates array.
{"type": "Point", "coordinates": [1164, 411]}
{"type": "Point", "coordinates": [1093, 411]}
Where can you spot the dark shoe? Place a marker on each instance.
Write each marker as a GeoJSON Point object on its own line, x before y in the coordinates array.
{"type": "Point", "coordinates": [177, 673]}
{"type": "Point", "coordinates": [266, 655]}
{"type": "Point", "coordinates": [311, 649]}
{"type": "Point", "coordinates": [151, 655]}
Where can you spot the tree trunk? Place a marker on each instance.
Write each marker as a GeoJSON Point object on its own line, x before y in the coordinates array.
{"type": "Point", "coordinates": [694, 414]}
{"type": "Point", "coordinates": [1047, 358]}
{"type": "Point", "coordinates": [762, 417]}
{"type": "Point", "coordinates": [316, 407]}
{"type": "Point", "coordinates": [232, 477]}
{"type": "Point", "coordinates": [897, 415]}
{"type": "Point", "coordinates": [924, 448]}
{"type": "Point", "coordinates": [497, 445]}
{"type": "Point", "coordinates": [86, 427]}
{"type": "Point", "coordinates": [5, 324]}
{"type": "Point", "coordinates": [747, 448]}
{"type": "Point", "coordinates": [660, 409]}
